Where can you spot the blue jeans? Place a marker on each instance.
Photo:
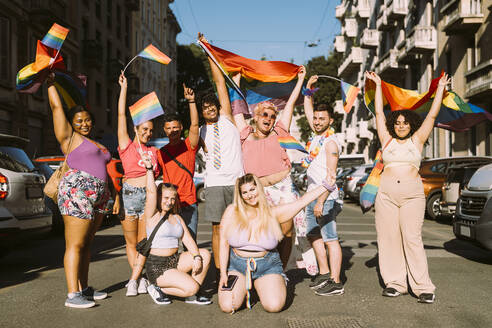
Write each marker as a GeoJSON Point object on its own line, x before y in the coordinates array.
{"type": "Point", "coordinates": [325, 225]}
{"type": "Point", "coordinates": [190, 217]}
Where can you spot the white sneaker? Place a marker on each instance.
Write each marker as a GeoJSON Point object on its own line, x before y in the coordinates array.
{"type": "Point", "coordinates": [131, 288]}
{"type": "Point", "coordinates": [158, 295]}
{"type": "Point", "coordinates": [142, 286]}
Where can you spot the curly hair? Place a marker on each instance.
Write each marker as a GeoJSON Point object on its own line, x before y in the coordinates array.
{"type": "Point", "coordinates": [208, 98]}
{"type": "Point", "coordinates": [265, 105]}
{"type": "Point", "coordinates": [410, 116]}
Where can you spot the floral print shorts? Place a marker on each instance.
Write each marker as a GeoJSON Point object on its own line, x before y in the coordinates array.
{"type": "Point", "coordinates": [82, 195]}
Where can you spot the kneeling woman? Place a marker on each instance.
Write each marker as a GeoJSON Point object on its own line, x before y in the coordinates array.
{"type": "Point", "coordinates": [250, 231]}
{"type": "Point", "coordinates": [167, 270]}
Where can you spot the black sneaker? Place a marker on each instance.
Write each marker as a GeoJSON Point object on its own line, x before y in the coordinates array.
{"type": "Point", "coordinates": [391, 292]}
{"type": "Point", "coordinates": [158, 296]}
{"type": "Point", "coordinates": [428, 298]}
{"type": "Point", "coordinates": [330, 288]}
{"type": "Point", "coordinates": [319, 281]}
{"type": "Point", "coordinates": [198, 300]}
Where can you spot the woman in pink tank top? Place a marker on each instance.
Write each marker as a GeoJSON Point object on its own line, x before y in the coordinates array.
{"type": "Point", "coordinates": [133, 192]}
{"type": "Point", "coordinates": [82, 194]}
{"type": "Point", "coordinates": [250, 229]}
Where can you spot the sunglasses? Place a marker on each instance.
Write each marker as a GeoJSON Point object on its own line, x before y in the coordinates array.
{"type": "Point", "coordinates": [265, 115]}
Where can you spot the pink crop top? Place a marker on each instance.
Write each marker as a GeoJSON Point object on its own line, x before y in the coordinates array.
{"type": "Point", "coordinates": [263, 157]}
{"type": "Point", "coordinates": [132, 161]}
{"type": "Point", "coordinates": [90, 158]}
{"type": "Point", "coordinates": [241, 241]}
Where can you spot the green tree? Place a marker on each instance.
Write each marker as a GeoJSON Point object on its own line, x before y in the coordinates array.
{"type": "Point", "coordinates": [329, 90]}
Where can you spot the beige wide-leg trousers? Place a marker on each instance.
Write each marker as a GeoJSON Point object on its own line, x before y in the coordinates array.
{"type": "Point", "coordinates": [400, 210]}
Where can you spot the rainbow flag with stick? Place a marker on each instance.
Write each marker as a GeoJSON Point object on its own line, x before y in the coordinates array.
{"type": "Point", "coordinates": [55, 37]}
{"type": "Point", "coordinates": [349, 94]}
{"type": "Point", "coordinates": [455, 114]}
{"type": "Point", "coordinates": [152, 53]}
{"type": "Point", "coordinates": [145, 109]}
{"type": "Point", "coordinates": [289, 142]}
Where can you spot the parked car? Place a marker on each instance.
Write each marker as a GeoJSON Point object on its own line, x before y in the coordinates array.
{"type": "Point", "coordinates": [340, 180]}
{"type": "Point", "coordinates": [299, 176]}
{"type": "Point", "coordinates": [433, 173]}
{"type": "Point", "coordinates": [359, 185]}
{"type": "Point", "coordinates": [22, 207]}
{"type": "Point", "coordinates": [457, 178]}
{"type": "Point", "coordinates": [347, 161]}
{"type": "Point", "coordinates": [351, 179]}
{"type": "Point", "coordinates": [473, 220]}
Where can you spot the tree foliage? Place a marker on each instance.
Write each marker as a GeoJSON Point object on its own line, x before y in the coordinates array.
{"type": "Point", "coordinates": [329, 90]}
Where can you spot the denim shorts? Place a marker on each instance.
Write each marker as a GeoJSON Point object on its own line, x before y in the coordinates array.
{"type": "Point", "coordinates": [326, 225]}
{"type": "Point", "coordinates": [268, 264]}
{"type": "Point", "coordinates": [133, 199]}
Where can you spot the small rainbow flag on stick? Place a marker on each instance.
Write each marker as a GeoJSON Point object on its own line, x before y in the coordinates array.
{"type": "Point", "coordinates": [349, 94]}
{"type": "Point", "coordinates": [289, 142]}
{"type": "Point", "coordinates": [152, 53]}
{"type": "Point", "coordinates": [55, 37]}
{"type": "Point", "coordinates": [146, 109]}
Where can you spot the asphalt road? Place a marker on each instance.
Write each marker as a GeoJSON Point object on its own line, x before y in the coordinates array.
{"type": "Point", "coordinates": [32, 287]}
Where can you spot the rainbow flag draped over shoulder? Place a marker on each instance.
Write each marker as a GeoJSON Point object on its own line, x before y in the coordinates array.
{"type": "Point", "coordinates": [145, 109]}
{"type": "Point", "coordinates": [260, 80]}
{"type": "Point", "coordinates": [55, 36]}
{"type": "Point", "coordinates": [455, 114]}
{"type": "Point", "coordinates": [349, 94]}
{"type": "Point", "coordinates": [152, 53]}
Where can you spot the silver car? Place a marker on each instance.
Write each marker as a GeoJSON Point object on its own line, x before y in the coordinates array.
{"type": "Point", "coordinates": [22, 206]}
{"type": "Point", "coordinates": [350, 183]}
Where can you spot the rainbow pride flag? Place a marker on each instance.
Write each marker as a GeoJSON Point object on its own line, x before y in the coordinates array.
{"type": "Point", "coordinates": [55, 36]}
{"type": "Point", "coordinates": [289, 142]}
{"type": "Point", "coordinates": [145, 109]}
{"type": "Point", "coordinates": [152, 53]}
{"type": "Point", "coordinates": [455, 114]}
{"type": "Point", "coordinates": [349, 94]}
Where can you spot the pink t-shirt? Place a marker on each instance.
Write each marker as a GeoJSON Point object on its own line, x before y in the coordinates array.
{"type": "Point", "coordinates": [132, 161]}
{"type": "Point", "coordinates": [263, 157]}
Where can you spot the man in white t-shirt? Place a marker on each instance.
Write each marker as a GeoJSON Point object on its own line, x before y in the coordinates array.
{"type": "Point", "coordinates": [324, 150]}
{"type": "Point", "coordinates": [224, 162]}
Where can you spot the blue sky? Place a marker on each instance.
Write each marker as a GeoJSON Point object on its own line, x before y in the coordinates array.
{"type": "Point", "coordinates": [278, 30]}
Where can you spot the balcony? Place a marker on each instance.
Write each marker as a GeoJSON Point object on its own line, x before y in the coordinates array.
{"type": "Point", "coordinates": [351, 63]}
{"type": "Point", "coordinates": [363, 9]}
{"type": "Point", "coordinates": [388, 64]}
{"type": "Point", "coordinates": [340, 10]}
{"type": "Point", "coordinates": [383, 23]}
{"type": "Point", "coordinates": [370, 38]}
{"type": "Point", "coordinates": [338, 109]}
{"type": "Point", "coordinates": [351, 135]}
{"type": "Point", "coordinates": [397, 9]}
{"type": "Point", "coordinates": [421, 40]}
{"type": "Point", "coordinates": [462, 16]}
{"type": "Point", "coordinates": [92, 52]}
{"type": "Point", "coordinates": [350, 27]}
{"type": "Point", "coordinates": [479, 81]}
{"type": "Point", "coordinates": [363, 131]}
{"type": "Point", "coordinates": [340, 44]}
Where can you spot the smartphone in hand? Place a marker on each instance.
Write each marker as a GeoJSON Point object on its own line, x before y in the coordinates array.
{"type": "Point", "coordinates": [231, 281]}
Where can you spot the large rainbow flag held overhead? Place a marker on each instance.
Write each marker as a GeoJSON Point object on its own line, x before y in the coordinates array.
{"type": "Point", "coordinates": [261, 80]}
{"type": "Point", "coordinates": [145, 109]}
{"type": "Point", "coordinates": [152, 53]}
{"type": "Point", "coordinates": [455, 114]}
{"type": "Point", "coordinates": [55, 36]}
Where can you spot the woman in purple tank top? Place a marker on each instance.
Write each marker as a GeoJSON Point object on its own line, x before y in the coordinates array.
{"type": "Point", "coordinates": [82, 194]}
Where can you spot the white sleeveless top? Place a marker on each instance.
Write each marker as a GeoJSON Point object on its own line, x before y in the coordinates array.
{"type": "Point", "coordinates": [401, 154]}
{"type": "Point", "coordinates": [317, 170]}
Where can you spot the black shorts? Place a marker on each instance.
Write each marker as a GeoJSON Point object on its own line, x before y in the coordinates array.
{"type": "Point", "coordinates": [157, 265]}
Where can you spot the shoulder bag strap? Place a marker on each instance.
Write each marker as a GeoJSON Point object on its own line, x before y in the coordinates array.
{"type": "Point", "coordinates": [177, 162]}
{"type": "Point", "coordinates": [158, 225]}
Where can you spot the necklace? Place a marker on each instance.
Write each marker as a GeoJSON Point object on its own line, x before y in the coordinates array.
{"type": "Point", "coordinates": [312, 154]}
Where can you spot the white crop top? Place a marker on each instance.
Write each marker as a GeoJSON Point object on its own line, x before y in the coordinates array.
{"type": "Point", "coordinates": [400, 154]}
{"type": "Point", "coordinates": [167, 236]}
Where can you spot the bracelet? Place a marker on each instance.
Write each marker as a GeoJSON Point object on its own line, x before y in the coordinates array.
{"type": "Point", "coordinates": [329, 187]}
{"type": "Point", "coordinates": [191, 102]}
{"type": "Point", "coordinates": [199, 256]}
{"type": "Point", "coordinates": [149, 168]}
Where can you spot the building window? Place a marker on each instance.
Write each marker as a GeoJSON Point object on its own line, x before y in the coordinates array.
{"type": "Point", "coordinates": [109, 13]}
{"type": "Point", "coordinates": [98, 8]}
{"type": "Point", "coordinates": [118, 54]}
{"type": "Point", "coordinates": [98, 36]}
{"type": "Point", "coordinates": [127, 31]}
{"type": "Point", "coordinates": [98, 93]}
{"type": "Point", "coordinates": [109, 45]}
{"type": "Point", "coordinates": [85, 29]}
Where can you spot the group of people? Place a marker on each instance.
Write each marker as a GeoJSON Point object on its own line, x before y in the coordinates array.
{"type": "Point", "coordinates": [251, 202]}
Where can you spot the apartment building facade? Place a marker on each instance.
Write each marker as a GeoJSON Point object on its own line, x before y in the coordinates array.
{"type": "Point", "coordinates": [404, 42]}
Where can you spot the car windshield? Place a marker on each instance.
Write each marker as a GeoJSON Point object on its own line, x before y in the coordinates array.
{"type": "Point", "coordinates": [15, 159]}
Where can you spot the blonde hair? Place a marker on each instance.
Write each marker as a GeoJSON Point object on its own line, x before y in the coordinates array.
{"type": "Point", "coordinates": [268, 223]}
{"type": "Point", "coordinates": [265, 105]}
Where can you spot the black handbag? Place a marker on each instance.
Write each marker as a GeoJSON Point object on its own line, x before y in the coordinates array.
{"type": "Point", "coordinates": [143, 246]}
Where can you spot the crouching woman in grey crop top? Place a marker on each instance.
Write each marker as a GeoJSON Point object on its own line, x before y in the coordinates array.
{"type": "Point", "coordinates": [249, 234]}
{"type": "Point", "coordinates": [169, 272]}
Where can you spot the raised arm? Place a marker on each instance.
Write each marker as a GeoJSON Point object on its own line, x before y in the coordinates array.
{"type": "Point", "coordinates": [151, 196]}
{"type": "Point", "coordinates": [239, 118]}
{"type": "Point", "coordinates": [194, 133]}
{"type": "Point", "coordinates": [308, 101]}
{"type": "Point", "coordinates": [383, 133]}
{"type": "Point", "coordinates": [227, 217]}
{"type": "Point", "coordinates": [423, 133]}
{"type": "Point", "coordinates": [286, 212]}
{"type": "Point", "coordinates": [63, 128]}
{"type": "Point", "coordinates": [123, 137]}
{"type": "Point", "coordinates": [286, 116]}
